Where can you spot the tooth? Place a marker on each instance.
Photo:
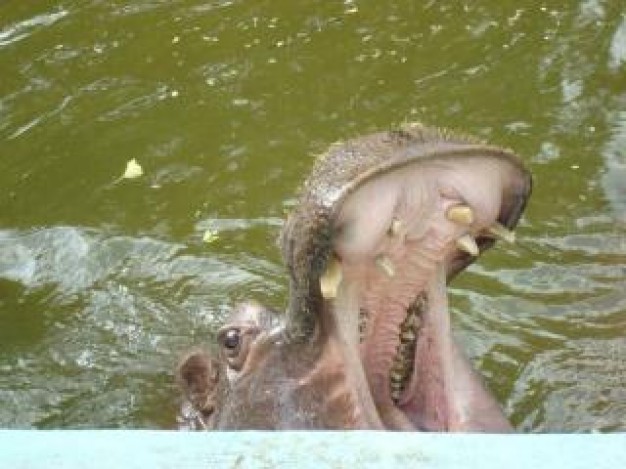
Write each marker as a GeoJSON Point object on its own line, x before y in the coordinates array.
{"type": "Point", "coordinates": [408, 335]}
{"type": "Point", "coordinates": [330, 280]}
{"type": "Point", "coordinates": [396, 377]}
{"type": "Point", "coordinates": [461, 214]}
{"type": "Point", "coordinates": [412, 321]}
{"type": "Point", "coordinates": [467, 244]}
{"type": "Point", "coordinates": [385, 264]}
{"type": "Point", "coordinates": [396, 226]}
{"type": "Point", "coordinates": [502, 232]}
{"type": "Point", "coordinates": [397, 367]}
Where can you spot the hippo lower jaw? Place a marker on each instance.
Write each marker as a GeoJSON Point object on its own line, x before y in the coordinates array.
{"type": "Point", "coordinates": [425, 384]}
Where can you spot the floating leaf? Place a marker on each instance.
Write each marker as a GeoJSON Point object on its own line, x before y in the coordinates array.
{"type": "Point", "coordinates": [210, 236]}
{"type": "Point", "coordinates": [133, 170]}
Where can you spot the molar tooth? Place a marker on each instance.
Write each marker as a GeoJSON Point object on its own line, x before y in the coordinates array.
{"type": "Point", "coordinates": [467, 244]}
{"type": "Point", "coordinates": [395, 385]}
{"type": "Point", "coordinates": [396, 377]}
{"type": "Point", "coordinates": [412, 321]}
{"type": "Point", "coordinates": [502, 232]}
{"type": "Point", "coordinates": [417, 321]}
{"type": "Point", "coordinates": [397, 367]}
{"type": "Point", "coordinates": [408, 335]}
{"type": "Point", "coordinates": [385, 264]}
{"type": "Point", "coordinates": [330, 280]}
{"type": "Point", "coordinates": [461, 214]}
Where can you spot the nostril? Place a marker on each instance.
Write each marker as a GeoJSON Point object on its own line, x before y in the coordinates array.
{"type": "Point", "coordinates": [232, 339]}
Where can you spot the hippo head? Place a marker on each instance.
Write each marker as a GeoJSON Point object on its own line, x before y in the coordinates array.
{"type": "Point", "coordinates": [383, 222]}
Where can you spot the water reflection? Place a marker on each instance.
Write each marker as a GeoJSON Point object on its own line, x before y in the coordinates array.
{"type": "Point", "coordinates": [614, 177]}
{"type": "Point", "coordinates": [22, 29]}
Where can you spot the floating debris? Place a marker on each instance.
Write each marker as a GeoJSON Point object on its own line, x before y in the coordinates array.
{"type": "Point", "coordinates": [133, 170]}
{"type": "Point", "coordinates": [210, 236]}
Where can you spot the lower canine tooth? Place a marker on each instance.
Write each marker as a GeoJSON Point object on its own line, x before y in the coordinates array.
{"type": "Point", "coordinates": [467, 244]}
{"type": "Point", "coordinates": [330, 280]}
{"type": "Point", "coordinates": [461, 214]}
{"type": "Point", "coordinates": [502, 232]}
{"type": "Point", "coordinates": [385, 264]}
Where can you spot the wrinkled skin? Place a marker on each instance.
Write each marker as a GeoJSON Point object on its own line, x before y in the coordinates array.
{"type": "Point", "coordinates": [382, 224]}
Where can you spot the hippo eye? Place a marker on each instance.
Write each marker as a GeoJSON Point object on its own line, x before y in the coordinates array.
{"type": "Point", "coordinates": [235, 342]}
{"type": "Point", "coordinates": [231, 339]}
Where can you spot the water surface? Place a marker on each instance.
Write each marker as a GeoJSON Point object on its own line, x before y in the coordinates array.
{"type": "Point", "coordinates": [104, 282]}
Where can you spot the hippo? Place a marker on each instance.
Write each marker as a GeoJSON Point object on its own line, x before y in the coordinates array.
{"type": "Point", "coordinates": [382, 224]}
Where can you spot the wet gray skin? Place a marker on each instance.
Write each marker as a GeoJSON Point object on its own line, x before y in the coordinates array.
{"type": "Point", "coordinates": [383, 222]}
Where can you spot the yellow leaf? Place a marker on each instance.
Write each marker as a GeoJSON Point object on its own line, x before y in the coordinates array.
{"type": "Point", "coordinates": [210, 236]}
{"type": "Point", "coordinates": [133, 170]}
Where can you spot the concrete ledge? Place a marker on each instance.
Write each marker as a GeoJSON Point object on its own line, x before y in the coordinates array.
{"type": "Point", "coordinates": [155, 449]}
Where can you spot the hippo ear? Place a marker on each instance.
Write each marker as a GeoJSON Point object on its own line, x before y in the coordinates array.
{"type": "Point", "coordinates": [370, 199]}
{"type": "Point", "coordinates": [198, 376]}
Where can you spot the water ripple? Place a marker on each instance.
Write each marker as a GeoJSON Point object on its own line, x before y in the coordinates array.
{"type": "Point", "coordinates": [23, 29]}
{"type": "Point", "coordinates": [115, 310]}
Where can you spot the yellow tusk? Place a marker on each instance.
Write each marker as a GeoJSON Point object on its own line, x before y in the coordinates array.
{"type": "Point", "coordinates": [502, 232]}
{"type": "Point", "coordinates": [330, 280]}
{"type": "Point", "coordinates": [467, 244]}
{"type": "Point", "coordinates": [385, 265]}
{"type": "Point", "coordinates": [461, 214]}
{"type": "Point", "coordinates": [395, 228]}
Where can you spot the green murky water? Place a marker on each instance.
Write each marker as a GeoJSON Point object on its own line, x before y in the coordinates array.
{"type": "Point", "coordinates": [103, 283]}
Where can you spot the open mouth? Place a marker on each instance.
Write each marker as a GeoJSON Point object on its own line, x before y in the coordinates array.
{"type": "Point", "coordinates": [398, 236]}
